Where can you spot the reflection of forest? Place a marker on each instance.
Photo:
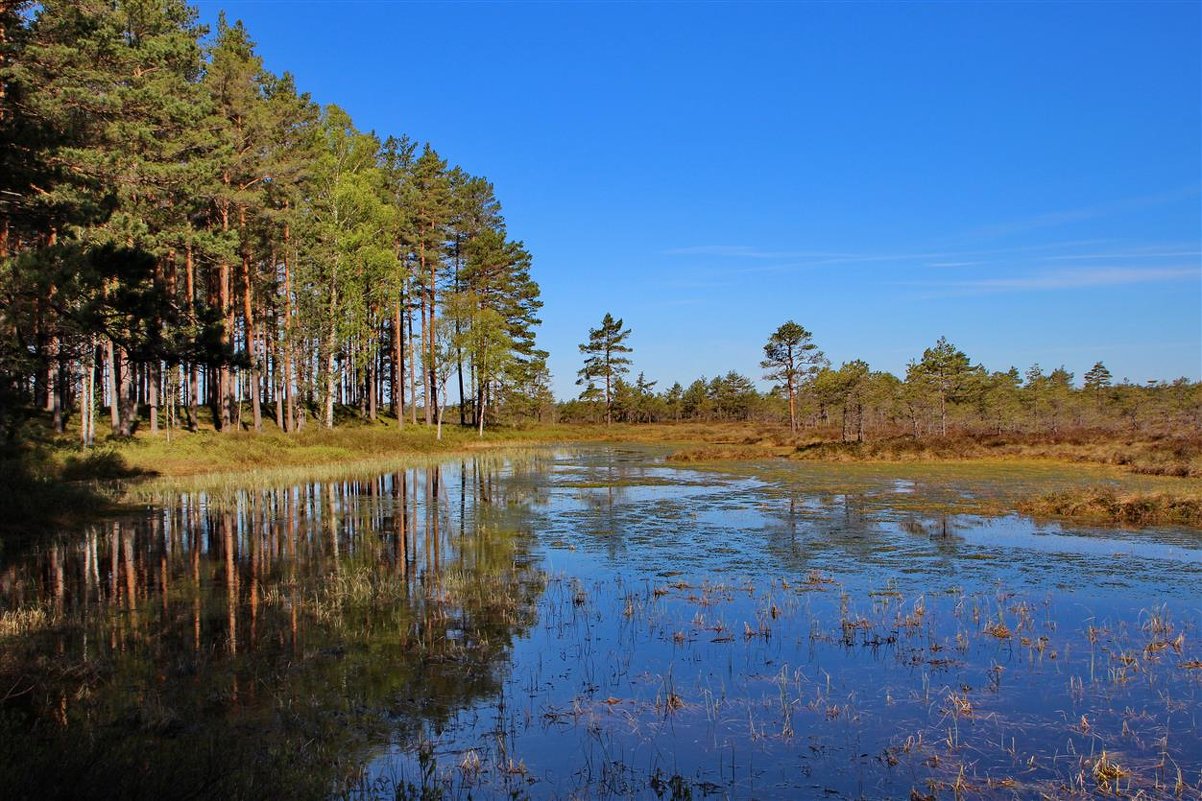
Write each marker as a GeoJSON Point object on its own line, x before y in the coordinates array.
{"type": "Point", "coordinates": [260, 648]}
{"type": "Point", "coordinates": [808, 529]}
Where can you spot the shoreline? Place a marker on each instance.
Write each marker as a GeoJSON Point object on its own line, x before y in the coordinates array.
{"type": "Point", "coordinates": [81, 486]}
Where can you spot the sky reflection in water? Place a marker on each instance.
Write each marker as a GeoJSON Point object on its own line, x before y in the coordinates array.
{"type": "Point", "coordinates": [596, 623]}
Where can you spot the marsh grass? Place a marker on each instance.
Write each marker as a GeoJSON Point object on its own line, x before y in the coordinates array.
{"type": "Point", "coordinates": [1179, 456]}
{"type": "Point", "coordinates": [934, 723]}
{"type": "Point", "coordinates": [51, 481]}
{"type": "Point", "coordinates": [1103, 504]}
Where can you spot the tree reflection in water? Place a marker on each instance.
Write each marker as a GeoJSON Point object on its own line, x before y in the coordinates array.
{"type": "Point", "coordinates": [260, 645]}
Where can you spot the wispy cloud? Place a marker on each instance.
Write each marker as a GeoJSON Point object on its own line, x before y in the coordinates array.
{"type": "Point", "coordinates": [742, 252]}
{"type": "Point", "coordinates": [1072, 279]}
{"type": "Point", "coordinates": [939, 257]}
{"type": "Point", "coordinates": [1155, 262]}
{"type": "Point", "coordinates": [1064, 217]}
{"type": "Point", "coordinates": [1148, 253]}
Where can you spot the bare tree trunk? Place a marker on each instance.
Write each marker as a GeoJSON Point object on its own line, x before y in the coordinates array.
{"type": "Point", "coordinates": [608, 402]}
{"type": "Point", "coordinates": [225, 384]}
{"type": "Point", "coordinates": [152, 394]}
{"type": "Point", "coordinates": [792, 405]}
{"type": "Point", "coordinates": [114, 406]}
{"type": "Point", "coordinates": [331, 345]}
{"type": "Point", "coordinates": [276, 378]}
{"type": "Point", "coordinates": [480, 412]}
{"type": "Point", "coordinates": [87, 401]}
{"type": "Point", "coordinates": [252, 350]}
{"type": "Point", "coordinates": [431, 345]}
{"type": "Point", "coordinates": [291, 385]}
{"type": "Point", "coordinates": [398, 367]}
{"type": "Point", "coordinates": [127, 398]}
{"type": "Point", "coordinates": [372, 398]}
{"type": "Point", "coordinates": [412, 373]}
{"type": "Point", "coordinates": [190, 371]}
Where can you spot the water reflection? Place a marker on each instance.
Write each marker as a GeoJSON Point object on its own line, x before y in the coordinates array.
{"type": "Point", "coordinates": [596, 623]}
{"type": "Point", "coordinates": [263, 641]}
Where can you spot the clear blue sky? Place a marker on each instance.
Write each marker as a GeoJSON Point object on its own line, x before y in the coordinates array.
{"type": "Point", "coordinates": [1022, 178]}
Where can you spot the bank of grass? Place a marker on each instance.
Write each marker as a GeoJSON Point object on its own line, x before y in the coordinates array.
{"type": "Point", "coordinates": [49, 480]}
{"type": "Point", "coordinates": [1144, 454]}
{"type": "Point", "coordinates": [1110, 505]}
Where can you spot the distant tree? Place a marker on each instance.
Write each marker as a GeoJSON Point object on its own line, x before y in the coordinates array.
{"type": "Point", "coordinates": [673, 401]}
{"type": "Point", "coordinates": [733, 395]}
{"type": "Point", "coordinates": [946, 372]}
{"type": "Point", "coordinates": [604, 359]}
{"type": "Point", "coordinates": [695, 400]}
{"type": "Point", "coordinates": [646, 404]}
{"type": "Point", "coordinates": [591, 396]}
{"type": "Point", "coordinates": [1097, 381]}
{"type": "Point", "coordinates": [1035, 391]}
{"type": "Point", "coordinates": [1098, 377]}
{"type": "Point", "coordinates": [790, 356]}
{"type": "Point", "coordinates": [853, 385]}
{"type": "Point", "coordinates": [1000, 402]}
{"type": "Point", "coordinates": [1059, 395]}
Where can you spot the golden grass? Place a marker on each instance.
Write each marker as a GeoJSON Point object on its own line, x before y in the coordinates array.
{"type": "Point", "coordinates": [146, 468]}
{"type": "Point", "coordinates": [1108, 505]}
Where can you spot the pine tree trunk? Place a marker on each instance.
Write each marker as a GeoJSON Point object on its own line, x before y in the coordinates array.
{"type": "Point", "coordinates": [291, 384]}
{"type": "Point", "coordinates": [111, 382]}
{"type": "Point", "coordinates": [412, 373]}
{"type": "Point", "coordinates": [87, 398]}
{"type": "Point", "coordinates": [372, 398]}
{"type": "Point", "coordinates": [479, 410]}
{"type": "Point", "coordinates": [152, 395]}
{"type": "Point", "coordinates": [432, 345]}
{"type": "Point", "coordinates": [251, 341]}
{"type": "Point", "coordinates": [608, 402]}
{"type": "Point", "coordinates": [276, 378]}
{"type": "Point", "coordinates": [397, 377]}
{"type": "Point", "coordinates": [127, 396]}
{"type": "Point", "coordinates": [331, 346]}
{"type": "Point", "coordinates": [191, 371]}
{"type": "Point", "coordinates": [225, 384]}
{"type": "Point", "coordinates": [942, 414]}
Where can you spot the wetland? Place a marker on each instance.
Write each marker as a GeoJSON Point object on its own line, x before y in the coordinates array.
{"type": "Point", "coordinates": [599, 622]}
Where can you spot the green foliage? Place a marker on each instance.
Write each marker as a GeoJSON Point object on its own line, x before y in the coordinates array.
{"type": "Point", "coordinates": [284, 253]}
{"type": "Point", "coordinates": [604, 359]}
{"type": "Point", "coordinates": [791, 358]}
{"type": "Point", "coordinates": [945, 374]}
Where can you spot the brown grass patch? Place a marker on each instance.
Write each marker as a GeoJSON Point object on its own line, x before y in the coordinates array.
{"type": "Point", "coordinates": [1107, 505]}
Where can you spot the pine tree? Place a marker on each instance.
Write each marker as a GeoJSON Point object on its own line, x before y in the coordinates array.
{"type": "Point", "coordinates": [790, 357]}
{"type": "Point", "coordinates": [430, 210]}
{"type": "Point", "coordinates": [946, 372]}
{"type": "Point", "coordinates": [1097, 381]}
{"type": "Point", "coordinates": [347, 245]}
{"type": "Point", "coordinates": [604, 359]}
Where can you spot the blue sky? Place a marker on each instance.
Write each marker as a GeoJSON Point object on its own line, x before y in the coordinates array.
{"type": "Point", "coordinates": [1022, 178]}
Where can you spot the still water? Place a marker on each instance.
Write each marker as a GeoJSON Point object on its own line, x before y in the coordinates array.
{"type": "Point", "coordinates": [594, 623]}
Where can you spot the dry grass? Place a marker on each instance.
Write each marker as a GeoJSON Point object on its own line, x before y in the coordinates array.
{"type": "Point", "coordinates": [1152, 455]}
{"type": "Point", "coordinates": [1107, 505]}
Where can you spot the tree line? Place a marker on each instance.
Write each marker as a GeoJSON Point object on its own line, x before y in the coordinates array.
{"type": "Point", "coordinates": [184, 232]}
{"type": "Point", "coordinates": [943, 392]}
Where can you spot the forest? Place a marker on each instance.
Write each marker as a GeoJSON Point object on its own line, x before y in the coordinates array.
{"type": "Point", "coordinates": [942, 392]}
{"type": "Point", "coordinates": [181, 229]}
